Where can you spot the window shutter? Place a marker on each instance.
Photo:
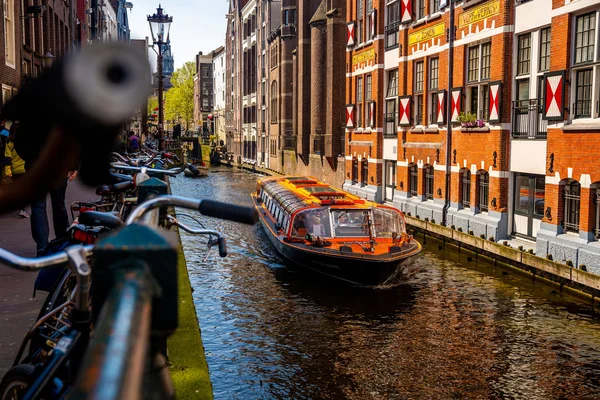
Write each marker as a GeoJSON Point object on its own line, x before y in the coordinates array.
{"type": "Point", "coordinates": [373, 20]}
{"type": "Point", "coordinates": [554, 95]}
{"type": "Point", "coordinates": [405, 10]}
{"type": "Point", "coordinates": [494, 95]}
{"type": "Point", "coordinates": [441, 113]}
{"type": "Point", "coordinates": [372, 109]}
{"type": "Point", "coordinates": [350, 40]}
{"type": "Point", "coordinates": [405, 110]}
{"type": "Point", "coordinates": [350, 115]}
{"type": "Point", "coordinates": [456, 104]}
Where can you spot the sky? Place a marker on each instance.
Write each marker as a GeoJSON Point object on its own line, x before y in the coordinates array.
{"type": "Point", "coordinates": [198, 25]}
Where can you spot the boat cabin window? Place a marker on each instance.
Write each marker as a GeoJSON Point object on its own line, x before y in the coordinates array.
{"type": "Point", "coordinates": [314, 221]}
{"type": "Point", "coordinates": [350, 223]}
{"type": "Point", "coordinates": [387, 222]}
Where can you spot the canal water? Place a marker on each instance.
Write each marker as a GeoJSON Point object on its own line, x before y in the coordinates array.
{"type": "Point", "coordinates": [459, 328]}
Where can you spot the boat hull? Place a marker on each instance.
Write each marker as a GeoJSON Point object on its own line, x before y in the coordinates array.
{"type": "Point", "coordinates": [356, 269]}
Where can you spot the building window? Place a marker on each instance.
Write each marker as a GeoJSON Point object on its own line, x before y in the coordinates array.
{"type": "Point", "coordinates": [359, 101]}
{"type": "Point", "coordinates": [483, 190]}
{"type": "Point", "coordinates": [585, 26]}
{"type": "Point", "coordinates": [390, 103]}
{"type": "Point", "coordinates": [419, 92]}
{"type": "Point", "coordinates": [433, 87]}
{"type": "Point", "coordinates": [274, 56]}
{"type": "Point", "coordinates": [368, 96]}
{"type": "Point", "coordinates": [585, 69]}
{"type": "Point", "coordinates": [9, 33]}
{"type": "Point", "coordinates": [465, 186]}
{"type": "Point", "coordinates": [360, 11]}
{"type": "Point", "coordinates": [435, 6]}
{"type": "Point", "coordinates": [420, 8]}
{"type": "Point", "coordinates": [524, 54]}
{"type": "Point", "coordinates": [572, 199]}
{"type": "Point", "coordinates": [596, 194]}
{"type": "Point", "coordinates": [365, 172]}
{"type": "Point", "coordinates": [369, 11]}
{"type": "Point", "coordinates": [393, 22]}
{"type": "Point", "coordinates": [478, 67]}
{"type": "Point", "coordinates": [545, 49]}
{"type": "Point", "coordinates": [274, 108]}
{"type": "Point", "coordinates": [428, 174]}
{"type": "Point", "coordinates": [413, 180]}
{"type": "Point", "coordinates": [583, 93]}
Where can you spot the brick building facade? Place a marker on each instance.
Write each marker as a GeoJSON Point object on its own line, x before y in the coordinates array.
{"type": "Point", "coordinates": [398, 55]}
{"type": "Point", "coordinates": [290, 54]}
{"type": "Point", "coordinates": [563, 42]}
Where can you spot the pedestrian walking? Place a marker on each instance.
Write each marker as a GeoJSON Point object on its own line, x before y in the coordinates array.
{"type": "Point", "coordinates": [15, 165]}
{"type": "Point", "coordinates": [133, 143]}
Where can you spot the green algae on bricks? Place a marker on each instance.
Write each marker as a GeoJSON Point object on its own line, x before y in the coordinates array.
{"type": "Point", "coordinates": [187, 361]}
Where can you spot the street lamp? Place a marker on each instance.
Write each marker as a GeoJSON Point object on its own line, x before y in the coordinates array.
{"type": "Point", "coordinates": [160, 25]}
{"type": "Point", "coordinates": [47, 60]}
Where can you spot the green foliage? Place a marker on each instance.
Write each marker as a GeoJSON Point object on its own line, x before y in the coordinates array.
{"type": "Point", "coordinates": [467, 117]}
{"type": "Point", "coordinates": [152, 104]}
{"type": "Point", "coordinates": [179, 100]}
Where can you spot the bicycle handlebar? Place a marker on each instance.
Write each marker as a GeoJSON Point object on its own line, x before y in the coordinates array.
{"type": "Point", "coordinates": [33, 264]}
{"type": "Point", "coordinates": [211, 208]}
{"type": "Point", "coordinates": [221, 241]}
{"type": "Point", "coordinates": [170, 172]}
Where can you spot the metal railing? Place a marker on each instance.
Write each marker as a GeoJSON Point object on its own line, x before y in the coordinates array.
{"type": "Point", "coordinates": [527, 121]}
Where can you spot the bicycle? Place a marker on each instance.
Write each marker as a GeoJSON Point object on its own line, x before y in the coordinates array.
{"type": "Point", "coordinates": [133, 311]}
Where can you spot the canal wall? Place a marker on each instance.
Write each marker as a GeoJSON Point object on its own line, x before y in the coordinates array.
{"type": "Point", "coordinates": [186, 356]}
{"type": "Point", "coordinates": [578, 281]}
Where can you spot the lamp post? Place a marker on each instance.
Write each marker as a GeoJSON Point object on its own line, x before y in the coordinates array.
{"type": "Point", "coordinates": [160, 25]}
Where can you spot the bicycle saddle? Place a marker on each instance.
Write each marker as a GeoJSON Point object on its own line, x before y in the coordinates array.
{"type": "Point", "coordinates": [97, 218]}
{"type": "Point", "coordinates": [117, 178]}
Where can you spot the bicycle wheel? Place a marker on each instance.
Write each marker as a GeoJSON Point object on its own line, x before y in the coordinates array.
{"type": "Point", "coordinates": [60, 293]}
{"type": "Point", "coordinates": [16, 381]}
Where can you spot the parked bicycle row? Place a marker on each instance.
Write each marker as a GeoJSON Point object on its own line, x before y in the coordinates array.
{"type": "Point", "coordinates": [87, 290]}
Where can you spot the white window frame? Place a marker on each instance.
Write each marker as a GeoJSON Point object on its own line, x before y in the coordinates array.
{"type": "Point", "coordinates": [10, 45]}
{"type": "Point", "coordinates": [594, 65]}
{"type": "Point", "coordinates": [481, 84]}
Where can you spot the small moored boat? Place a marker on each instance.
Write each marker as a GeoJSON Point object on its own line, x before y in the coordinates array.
{"type": "Point", "coordinates": [333, 232]}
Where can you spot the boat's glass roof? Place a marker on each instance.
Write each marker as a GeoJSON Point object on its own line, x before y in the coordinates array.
{"type": "Point", "coordinates": [290, 201]}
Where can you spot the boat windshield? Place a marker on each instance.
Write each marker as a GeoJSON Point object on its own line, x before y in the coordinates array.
{"type": "Point", "coordinates": [355, 223]}
{"type": "Point", "coordinates": [314, 221]}
{"type": "Point", "coordinates": [388, 221]}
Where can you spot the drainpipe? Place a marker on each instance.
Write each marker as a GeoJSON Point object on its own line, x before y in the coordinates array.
{"type": "Point", "coordinates": [451, 33]}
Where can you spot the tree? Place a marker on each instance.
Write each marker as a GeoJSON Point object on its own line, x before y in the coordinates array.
{"type": "Point", "coordinates": [179, 100]}
{"type": "Point", "coordinates": [152, 104]}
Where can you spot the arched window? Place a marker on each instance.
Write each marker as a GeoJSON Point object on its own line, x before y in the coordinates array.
{"type": "Point", "coordinates": [365, 172]}
{"type": "Point", "coordinates": [572, 200]}
{"type": "Point", "coordinates": [428, 181]}
{"type": "Point", "coordinates": [483, 190]}
{"type": "Point", "coordinates": [595, 193]}
{"type": "Point", "coordinates": [274, 108]}
{"type": "Point", "coordinates": [413, 180]}
{"type": "Point", "coordinates": [465, 187]}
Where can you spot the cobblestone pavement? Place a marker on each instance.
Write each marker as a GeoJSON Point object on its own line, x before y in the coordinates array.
{"type": "Point", "coordinates": [18, 309]}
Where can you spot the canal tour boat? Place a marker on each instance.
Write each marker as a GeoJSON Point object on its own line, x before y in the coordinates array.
{"type": "Point", "coordinates": [333, 232]}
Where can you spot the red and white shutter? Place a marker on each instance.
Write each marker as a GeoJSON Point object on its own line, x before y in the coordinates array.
{"type": "Point", "coordinates": [554, 95]}
{"type": "Point", "coordinates": [404, 111]}
{"type": "Point", "coordinates": [495, 91]}
{"type": "Point", "coordinates": [350, 116]}
{"type": "Point", "coordinates": [372, 110]}
{"type": "Point", "coordinates": [405, 10]}
{"type": "Point", "coordinates": [373, 19]}
{"type": "Point", "coordinates": [456, 104]}
{"type": "Point", "coordinates": [350, 40]}
{"type": "Point", "coordinates": [441, 111]}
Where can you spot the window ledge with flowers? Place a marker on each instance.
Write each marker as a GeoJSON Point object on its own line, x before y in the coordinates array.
{"type": "Point", "coordinates": [470, 123]}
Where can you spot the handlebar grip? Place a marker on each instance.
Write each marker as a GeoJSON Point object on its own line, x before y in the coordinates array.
{"type": "Point", "coordinates": [222, 247]}
{"type": "Point", "coordinates": [231, 212]}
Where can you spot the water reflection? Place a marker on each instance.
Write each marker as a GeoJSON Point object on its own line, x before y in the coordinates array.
{"type": "Point", "coordinates": [457, 329]}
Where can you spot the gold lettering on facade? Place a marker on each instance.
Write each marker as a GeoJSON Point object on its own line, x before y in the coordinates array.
{"type": "Point", "coordinates": [479, 13]}
{"type": "Point", "coordinates": [427, 33]}
{"type": "Point", "coordinates": [363, 57]}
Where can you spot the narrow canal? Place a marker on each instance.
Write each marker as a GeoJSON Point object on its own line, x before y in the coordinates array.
{"type": "Point", "coordinates": [458, 329]}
